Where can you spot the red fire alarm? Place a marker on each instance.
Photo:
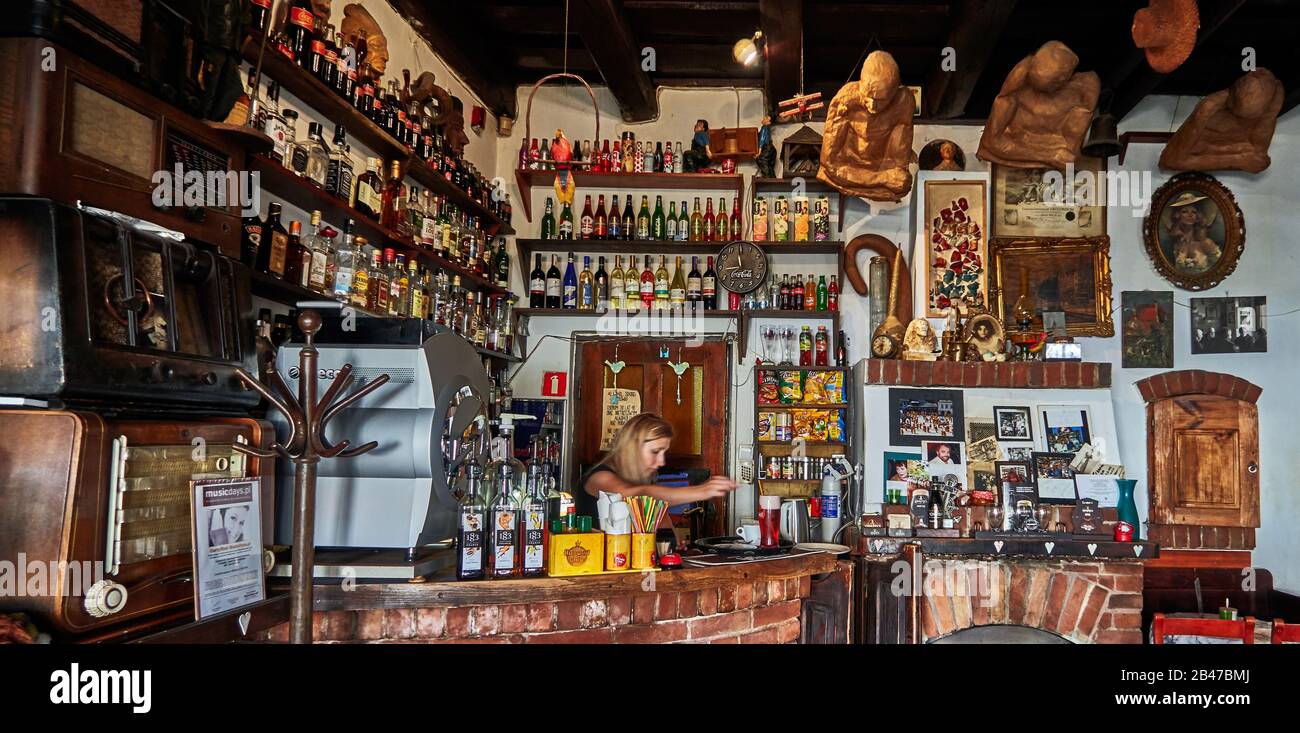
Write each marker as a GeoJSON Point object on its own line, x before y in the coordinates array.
{"type": "Point", "coordinates": [555, 384]}
{"type": "Point", "coordinates": [477, 118]}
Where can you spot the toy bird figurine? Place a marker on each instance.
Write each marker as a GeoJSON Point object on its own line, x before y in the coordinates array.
{"type": "Point", "coordinates": [679, 369]}
{"type": "Point", "coordinates": [562, 155]}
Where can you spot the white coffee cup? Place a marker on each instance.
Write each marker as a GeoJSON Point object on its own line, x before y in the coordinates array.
{"type": "Point", "coordinates": [749, 533]}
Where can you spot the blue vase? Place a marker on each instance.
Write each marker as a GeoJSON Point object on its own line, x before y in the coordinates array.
{"type": "Point", "coordinates": [1128, 511]}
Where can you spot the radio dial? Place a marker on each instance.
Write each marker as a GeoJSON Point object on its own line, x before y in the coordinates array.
{"type": "Point", "coordinates": [105, 598]}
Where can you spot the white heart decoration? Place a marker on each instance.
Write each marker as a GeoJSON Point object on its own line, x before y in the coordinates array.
{"type": "Point", "coordinates": [1092, 548]}
{"type": "Point", "coordinates": [1137, 550]}
{"type": "Point", "coordinates": [997, 544]}
{"type": "Point", "coordinates": [244, 619]}
{"type": "Point", "coordinates": [1050, 546]}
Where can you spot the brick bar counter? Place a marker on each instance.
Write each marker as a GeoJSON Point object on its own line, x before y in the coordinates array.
{"type": "Point", "coordinates": [756, 603]}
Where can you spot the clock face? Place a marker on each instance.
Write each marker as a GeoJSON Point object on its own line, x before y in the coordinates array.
{"type": "Point", "coordinates": [882, 346]}
{"type": "Point", "coordinates": [742, 267]}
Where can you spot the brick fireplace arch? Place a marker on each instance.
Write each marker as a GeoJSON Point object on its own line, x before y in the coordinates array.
{"type": "Point", "coordinates": [1084, 602]}
{"type": "Point", "coordinates": [1197, 381]}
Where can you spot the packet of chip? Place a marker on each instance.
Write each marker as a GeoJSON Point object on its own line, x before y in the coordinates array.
{"type": "Point", "coordinates": [803, 421]}
{"type": "Point", "coordinates": [769, 388]}
{"type": "Point", "coordinates": [767, 426]}
{"type": "Point", "coordinates": [819, 429]}
{"type": "Point", "coordinates": [834, 387]}
{"type": "Point", "coordinates": [814, 388]}
{"type": "Point", "coordinates": [791, 387]}
{"type": "Point", "coordinates": [835, 425]}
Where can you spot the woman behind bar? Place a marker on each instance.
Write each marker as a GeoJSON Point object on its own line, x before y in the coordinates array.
{"type": "Point", "coordinates": [630, 466]}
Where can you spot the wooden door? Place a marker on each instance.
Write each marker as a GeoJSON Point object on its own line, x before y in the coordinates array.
{"type": "Point", "coordinates": [699, 419]}
{"type": "Point", "coordinates": [1204, 456]}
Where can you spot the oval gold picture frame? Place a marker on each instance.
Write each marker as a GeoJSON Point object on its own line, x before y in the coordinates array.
{"type": "Point", "coordinates": [1195, 188]}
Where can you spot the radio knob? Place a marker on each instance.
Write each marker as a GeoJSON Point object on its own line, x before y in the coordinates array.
{"type": "Point", "coordinates": [159, 373]}
{"type": "Point", "coordinates": [105, 598]}
{"type": "Point", "coordinates": [208, 378]}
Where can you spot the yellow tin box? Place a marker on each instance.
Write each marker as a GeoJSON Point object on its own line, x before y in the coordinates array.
{"type": "Point", "coordinates": [578, 553]}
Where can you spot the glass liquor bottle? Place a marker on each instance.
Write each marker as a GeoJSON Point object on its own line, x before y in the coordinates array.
{"type": "Point", "coordinates": [472, 527]}
{"type": "Point", "coordinates": [537, 284]}
{"type": "Point", "coordinates": [318, 247]}
{"type": "Point", "coordinates": [298, 261]}
{"type": "Point", "coordinates": [586, 287]}
{"type": "Point", "coordinates": [506, 477]}
{"type": "Point", "coordinates": [662, 284]}
{"type": "Point", "coordinates": [677, 290]}
{"type": "Point", "coordinates": [391, 202]}
{"type": "Point", "coordinates": [602, 285]}
{"type": "Point", "coordinates": [250, 239]}
{"type": "Point", "coordinates": [587, 224]}
{"type": "Point", "coordinates": [399, 289]}
{"type": "Point", "coordinates": [566, 222]}
{"type": "Point", "coordinates": [338, 178]}
{"type": "Point", "coordinates": [358, 291]}
{"type": "Point", "coordinates": [694, 283]}
{"type": "Point", "coordinates": [683, 224]}
{"type": "Point", "coordinates": [309, 157]}
{"type": "Point", "coordinates": [670, 223]}
{"type": "Point", "coordinates": [276, 125]}
{"type": "Point", "coordinates": [600, 225]}
{"type": "Point", "coordinates": [272, 253]}
{"type": "Point", "coordinates": [614, 228]}
{"type": "Point", "coordinates": [709, 287]}
{"type": "Point", "coordinates": [570, 285]}
{"type": "Point", "coordinates": [658, 225]}
{"type": "Point", "coordinates": [554, 298]}
{"type": "Point", "coordinates": [370, 190]}
{"type": "Point", "coordinates": [377, 288]}
{"type": "Point", "coordinates": [643, 219]}
{"type": "Point", "coordinates": [616, 285]}
{"type": "Point", "coordinates": [548, 220]}
{"type": "Point", "coordinates": [632, 285]}
{"type": "Point", "coordinates": [629, 220]}
{"type": "Point", "coordinates": [648, 286]}
{"type": "Point", "coordinates": [345, 264]}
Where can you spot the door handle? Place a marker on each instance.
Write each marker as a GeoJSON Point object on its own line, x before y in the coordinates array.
{"type": "Point", "coordinates": [1252, 467]}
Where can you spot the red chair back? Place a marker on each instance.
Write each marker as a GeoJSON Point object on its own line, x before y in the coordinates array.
{"type": "Point", "coordinates": [1242, 628]}
{"type": "Point", "coordinates": [1284, 632]}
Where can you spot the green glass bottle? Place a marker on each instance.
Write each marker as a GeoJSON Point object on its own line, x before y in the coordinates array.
{"type": "Point", "coordinates": [548, 220]}
{"type": "Point", "coordinates": [658, 226]}
{"type": "Point", "coordinates": [643, 219]}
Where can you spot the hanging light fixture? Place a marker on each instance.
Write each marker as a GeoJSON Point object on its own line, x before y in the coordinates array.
{"type": "Point", "coordinates": [746, 50]}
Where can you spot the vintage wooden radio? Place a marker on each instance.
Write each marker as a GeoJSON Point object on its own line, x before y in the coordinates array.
{"type": "Point", "coordinates": [98, 313]}
{"type": "Point", "coordinates": [71, 131]}
{"type": "Point", "coordinates": [100, 509]}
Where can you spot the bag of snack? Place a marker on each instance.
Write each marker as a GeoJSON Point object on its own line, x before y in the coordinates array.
{"type": "Point", "coordinates": [819, 429]}
{"type": "Point", "coordinates": [769, 388]}
{"type": "Point", "coordinates": [791, 387]}
{"type": "Point", "coordinates": [766, 425]}
{"type": "Point", "coordinates": [814, 388]}
{"type": "Point", "coordinates": [803, 420]}
{"type": "Point", "coordinates": [835, 425]}
{"type": "Point", "coordinates": [834, 388]}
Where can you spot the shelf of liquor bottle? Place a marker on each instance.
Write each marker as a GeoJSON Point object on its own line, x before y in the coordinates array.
{"type": "Point", "coordinates": [299, 82]}
{"type": "Point", "coordinates": [302, 193]}
{"type": "Point", "coordinates": [526, 248]}
{"type": "Point", "coordinates": [282, 291]}
{"type": "Point", "coordinates": [635, 181]}
{"type": "Point", "coordinates": [313, 93]}
{"type": "Point", "coordinates": [438, 183]}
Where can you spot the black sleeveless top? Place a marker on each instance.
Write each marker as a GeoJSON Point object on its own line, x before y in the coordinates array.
{"type": "Point", "coordinates": [584, 504]}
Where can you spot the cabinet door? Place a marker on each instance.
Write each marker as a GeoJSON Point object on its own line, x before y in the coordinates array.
{"type": "Point", "coordinates": [1204, 454]}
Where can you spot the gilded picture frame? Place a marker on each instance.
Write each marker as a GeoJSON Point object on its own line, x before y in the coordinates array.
{"type": "Point", "coordinates": [1070, 275]}
{"type": "Point", "coordinates": [1195, 232]}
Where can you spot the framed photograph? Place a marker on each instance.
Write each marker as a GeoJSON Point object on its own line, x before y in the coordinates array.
{"type": "Point", "coordinates": [899, 470]}
{"type": "Point", "coordinates": [1065, 428]}
{"type": "Point", "coordinates": [1012, 452]}
{"type": "Point", "coordinates": [1044, 202]}
{"type": "Point", "coordinates": [985, 488]}
{"type": "Point", "coordinates": [1054, 324]}
{"type": "Point", "coordinates": [955, 243]}
{"type": "Point", "coordinates": [1054, 477]}
{"type": "Point", "coordinates": [1229, 325]}
{"type": "Point", "coordinates": [921, 414]}
{"type": "Point", "coordinates": [982, 451]}
{"type": "Point", "coordinates": [1013, 423]}
{"type": "Point", "coordinates": [1069, 275]}
{"type": "Point", "coordinates": [1057, 351]}
{"type": "Point", "coordinates": [1022, 470]}
{"type": "Point", "coordinates": [1147, 329]}
{"type": "Point", "coordinates": [1194, 233]}
{"type": "Point", "coordinates": [942, 456]}
{"type": "Point", "coordinates": [941, 155]}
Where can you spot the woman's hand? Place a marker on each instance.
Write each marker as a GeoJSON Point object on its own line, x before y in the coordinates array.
{"type": "Point", "coordinates": [715, 488]}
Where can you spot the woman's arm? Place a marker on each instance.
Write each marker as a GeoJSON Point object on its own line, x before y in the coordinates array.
{"type": "Point", "coordinates": [608, 481]}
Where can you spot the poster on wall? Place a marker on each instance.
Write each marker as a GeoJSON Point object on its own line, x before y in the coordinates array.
{"type": "Point", "coordinates": [1147, 329]}
{"type": "Point", "coordinates": [1229, 325]}
{"type": "Point", "coordinates": [617, 407]}
{"type": "Point", "coordinates": [226, 517]}
{"type": "Point", "coordinates": [1042, 202]}
{"type": "Point", "coordinates": [955, 237]}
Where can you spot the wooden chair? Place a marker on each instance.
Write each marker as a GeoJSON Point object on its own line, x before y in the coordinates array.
{"type": "Point", "coordinates": [1284, 632]}
{"type": "Point", "coordinates": [1242, 628]}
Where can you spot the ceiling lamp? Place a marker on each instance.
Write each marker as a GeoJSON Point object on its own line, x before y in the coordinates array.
{"type": "Point", "coordinates": [746, 49]}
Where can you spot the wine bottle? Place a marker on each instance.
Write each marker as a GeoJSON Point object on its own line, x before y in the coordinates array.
{"type": "Point", "coordinates": [537, 284]}
{"type": "Point", "coordinates": [570, 285]}
{"type": "Point", "coordinates": [553, 285]}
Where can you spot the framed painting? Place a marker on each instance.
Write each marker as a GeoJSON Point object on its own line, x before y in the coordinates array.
{"type": "Point", "coordinates": [916, 415]}
{"type": "Point", "coordinates": [955, 244]}
{"type": "Point", "coordinates": [1044, 202]}
{"type": "Point", "coordinates": [1194, 233]}
{"type": "Point", "coordinates": [1069, 275]}
{"type": "Point", "coordinates": [1147, 329]}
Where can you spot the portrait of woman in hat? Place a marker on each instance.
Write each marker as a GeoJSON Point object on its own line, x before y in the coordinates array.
{"type": "Point", "coordinates": [1191, 233]}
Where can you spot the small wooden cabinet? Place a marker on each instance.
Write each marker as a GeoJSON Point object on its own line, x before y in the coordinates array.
{"type": "Point", "coordinates": [1202, 460]}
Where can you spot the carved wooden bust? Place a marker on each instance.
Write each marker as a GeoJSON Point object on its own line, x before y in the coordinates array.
{"type": "Point", "coordinates": [1229, 130]}
{"type": "Point", "coordinates": [867, 143]}
{"type": "Point", "coordinates": [1042, 113]}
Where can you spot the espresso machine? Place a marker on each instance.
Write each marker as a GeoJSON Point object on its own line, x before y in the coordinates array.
{"type": "Point", "coordinates": [388, 513]}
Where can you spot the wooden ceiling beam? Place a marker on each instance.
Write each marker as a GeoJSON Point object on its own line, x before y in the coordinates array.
{"type": "Point", "coordinates": [1132, 79]}
{"type": "Point", "coordinates": [606, 34]}
{"type": "Point", "coordinates": [976, 29]}
{"type": "Point", "coordinates": [458, 38]}
{"type": "Point", "coordinates": [782, 25]}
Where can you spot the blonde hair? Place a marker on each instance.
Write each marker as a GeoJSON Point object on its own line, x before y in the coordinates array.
{"type": "Point", "coordinates": [625, 456]}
